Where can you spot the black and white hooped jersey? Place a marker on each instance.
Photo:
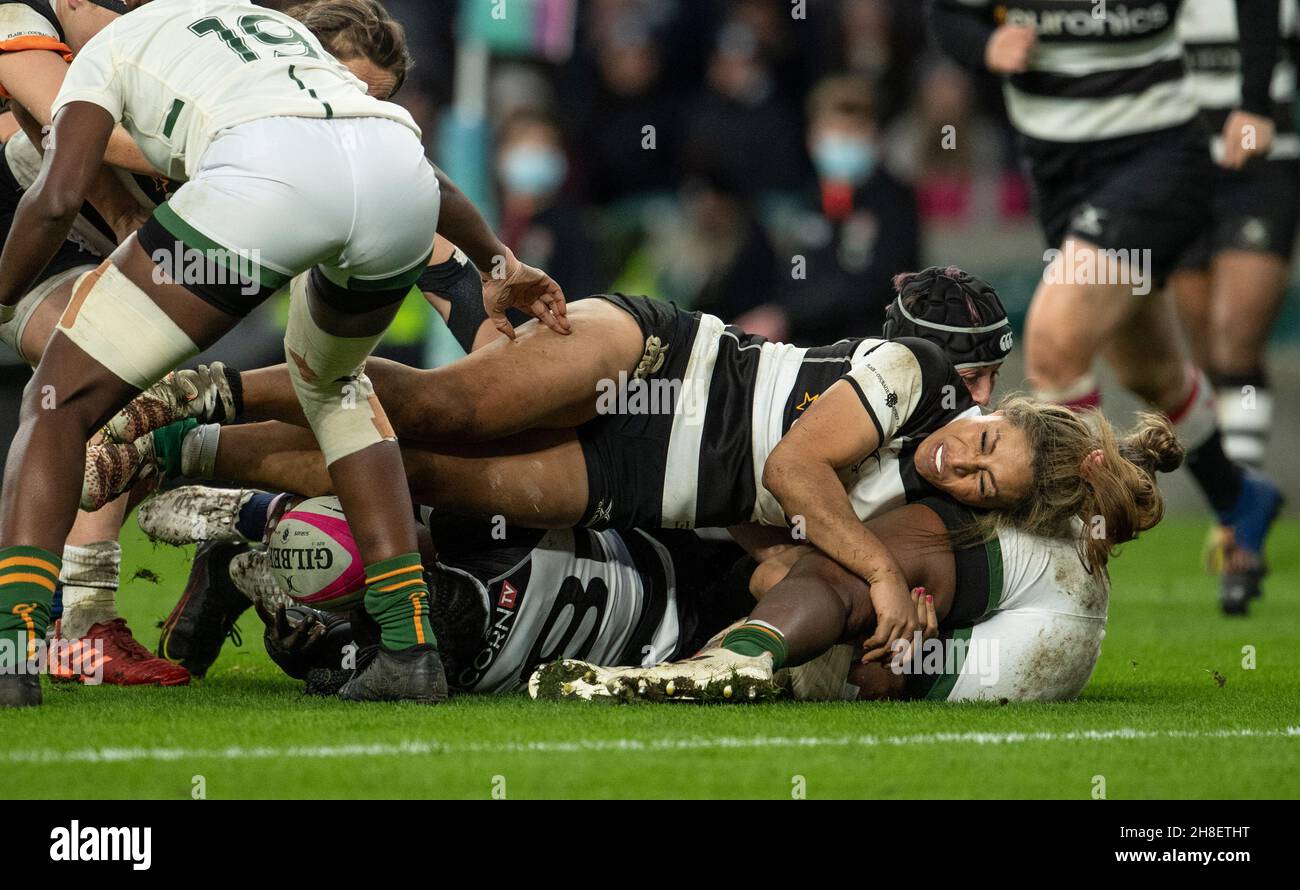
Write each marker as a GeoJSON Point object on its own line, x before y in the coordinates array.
{"type": "Point", "coordinates": [603, 597]}
{"type": "Point", "coordinates": [741, 394]}
{"type": "Point", "coordinates": [1209, 32]}
{"type": "Point", "coordinates": [1099, 70]}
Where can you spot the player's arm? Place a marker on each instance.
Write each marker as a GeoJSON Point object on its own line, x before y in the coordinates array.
{"type": "Point", "coordinates": [802, 472]}
{"type": "Point", "coordinates": [967, 32]}
{"type": "Point", "coordinates": [48, 209]}
{"type": "Point", "coordinates": [451, 285]}
{"type": "Point", "coordinates": [507, 282]}
{"type": "Point", "coordinates": [106, 193]}
{"type": "Point", "coordinates": [34, 77]}
{"type": "Point", "coordinates": [1249, 131]}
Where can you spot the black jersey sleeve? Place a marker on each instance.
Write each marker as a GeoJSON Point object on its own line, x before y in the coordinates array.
{"type": "Point", "coordinates": [908, 386]}
{"type": "Point", "coordinates": [1258, 33]}
{"type": "Point", "coordinates": [962, 29]}
{"type": "Point", "coordinates": [457, 280]}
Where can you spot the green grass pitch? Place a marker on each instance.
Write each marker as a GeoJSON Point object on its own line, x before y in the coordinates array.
{"type": "Point", "coordinates": [1154, 722]}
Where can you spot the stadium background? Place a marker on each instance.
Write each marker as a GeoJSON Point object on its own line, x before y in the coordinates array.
{"type": "Point", "coordinates": [715, 215]}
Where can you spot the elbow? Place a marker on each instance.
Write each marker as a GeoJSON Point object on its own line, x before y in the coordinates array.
{"type": "Point", "coordinates": [776, 473]}
{"type": "Point", "coordinates": [56, 206]}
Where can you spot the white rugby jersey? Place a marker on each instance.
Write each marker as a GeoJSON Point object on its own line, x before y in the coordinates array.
{"type": "Point", "coordinates": [742, 393]}
{"type": "Point", "coordinates": [1208, 29]}
{"type": "Point", "coordinates": [599, 597]}
{"type": "Point", "coordinates": [1099, 71]}
{"type": "Point", "coordinates": [176, 73]}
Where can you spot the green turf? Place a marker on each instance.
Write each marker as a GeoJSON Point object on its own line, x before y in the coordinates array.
{"type": "Point", "coordinates": [249, 732]}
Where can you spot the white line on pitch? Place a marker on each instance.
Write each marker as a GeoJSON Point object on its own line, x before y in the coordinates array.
{"type": "Point", "coordinates": [418, 747]}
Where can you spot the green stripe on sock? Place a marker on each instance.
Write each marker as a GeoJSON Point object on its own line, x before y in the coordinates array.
{"type": "Point", "coordinates": [167, 444]}
{"type": "Point", "coordinates": [400, 602]}
{"type": "Point", "coordinates": [754, 640]}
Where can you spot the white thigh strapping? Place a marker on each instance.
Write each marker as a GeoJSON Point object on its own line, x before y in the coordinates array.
{"type": "Point", "coordinates": [11, 332]}
{"type": "Point", "coordinates": [329, 378]}
{"type": "Point", "coordinates": [116, 324]}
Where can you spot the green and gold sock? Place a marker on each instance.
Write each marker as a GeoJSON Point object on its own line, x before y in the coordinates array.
{"type": "Point", "coordinates": [28, 576]}
{"type": "Point", "coordinates": [397, 597]}
{"type": "Point", "coordinates": [753, 638]}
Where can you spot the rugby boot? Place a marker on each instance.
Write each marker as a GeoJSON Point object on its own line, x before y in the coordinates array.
{"type": "Point", "coordinates": [109, 653]}
{"type": "Point", "coordinates": [197, 628]}
{"type": "Point", "coordinates": [20, 690]}
{"type": "Point", "coordinates": [569, 678]}
{"type": "Point", "coordinates": [207, 394]}
{"type": "Point", "coordinates": [113, 469]}
{"type": "Point", "coordinates": [194, 514]}
{"type": "Point", "coordinates": [1242, 565]}
{"type": "Point", "coordinates": [715, 675]}
{"type": "Point", "coordinates": [412, 674]}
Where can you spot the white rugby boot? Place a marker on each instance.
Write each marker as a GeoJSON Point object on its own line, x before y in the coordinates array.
{"type": "Point", "coordinates": [715, 675]}
{"type": "Point", "coordinates": [569, 678]}
{"type": "Point", "coordinates": [203, 393]}
{"type": "Point", "coordinates": [194, 513]}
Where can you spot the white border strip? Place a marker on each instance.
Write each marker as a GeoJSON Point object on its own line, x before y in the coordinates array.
{"type": "Point", "coordinates": [583, 746]}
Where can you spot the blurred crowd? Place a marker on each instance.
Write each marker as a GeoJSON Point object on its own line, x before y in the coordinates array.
{"type": "Point", "coordinates": [726, 154]}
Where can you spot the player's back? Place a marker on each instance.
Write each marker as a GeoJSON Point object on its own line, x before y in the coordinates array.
{"type": "Point", "coordinates": [177, 74]}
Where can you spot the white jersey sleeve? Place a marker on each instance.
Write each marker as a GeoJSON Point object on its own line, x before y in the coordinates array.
{"type": "Point", "coordinates": [93, 77]}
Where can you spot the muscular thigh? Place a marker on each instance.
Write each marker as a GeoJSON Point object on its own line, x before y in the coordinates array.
{"type": "Point", "coordinates": [541, 380]}
{"type": "Point", "coordinates": [538, 480]}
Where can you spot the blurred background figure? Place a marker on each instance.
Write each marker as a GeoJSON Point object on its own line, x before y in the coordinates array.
{"type": "Point", "coordinates": [539, 222]}
{"type": "Point", "coordinates": [857, 228]}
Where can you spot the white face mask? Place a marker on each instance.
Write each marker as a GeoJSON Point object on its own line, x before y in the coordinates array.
{"type": "Point", "coordinates": [844, 158]}
{"type": "Point", "coordinates": [533, 170]}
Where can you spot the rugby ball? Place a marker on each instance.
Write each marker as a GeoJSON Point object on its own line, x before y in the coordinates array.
{"type": "Point", "coordinates": [314, 557]}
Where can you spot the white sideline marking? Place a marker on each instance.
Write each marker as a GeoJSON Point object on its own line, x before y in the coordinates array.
{"type": "Point", "coordinates": [405, 749]}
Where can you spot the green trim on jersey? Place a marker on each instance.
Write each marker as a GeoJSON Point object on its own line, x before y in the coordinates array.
{"type": "Point", "coordinates": [196, 240]}
{"type": "Point", "coordinates": [329, 112]}
{"type": "Point", "coordinates": [170, 124]}
{"type": "Point", "coordinates": [993, 552]}
{"type": "Point", "coordinates": [400, 281]}
{"type": "Point", "coordinates": [943, 686]}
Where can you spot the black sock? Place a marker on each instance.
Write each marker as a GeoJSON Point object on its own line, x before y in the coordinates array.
{"type": "Point", "coordinates": [1218, 476]}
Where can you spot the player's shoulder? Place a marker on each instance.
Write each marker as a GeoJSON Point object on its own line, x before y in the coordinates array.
{"type": "Point", "coordinates": [26, 20]}
{"type": "Point", "coordinates": [920, 362]}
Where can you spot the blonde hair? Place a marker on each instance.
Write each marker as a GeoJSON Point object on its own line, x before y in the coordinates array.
{"type": "Point", "coordinates": [352, 29]}
{"type": "Point", "coordinates": [1082, 469]}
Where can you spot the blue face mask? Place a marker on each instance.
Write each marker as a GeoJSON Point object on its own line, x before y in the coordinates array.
{"type": "Point", "coordinates": [534, 171]}
{"type": "Point", "coordinates": [844, 158]}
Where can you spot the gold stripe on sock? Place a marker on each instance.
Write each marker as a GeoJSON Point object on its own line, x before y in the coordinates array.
{"type": "Point", "coordinates": [31, 561]}
{"type": "Point", "coordinates": [400, 586]}
{"type": "Point", "coordinates": [27, 578]}
{"type": "Point", "coordinates": [416, 599]}
{"type": "Point", "coordinates": [378, 578]}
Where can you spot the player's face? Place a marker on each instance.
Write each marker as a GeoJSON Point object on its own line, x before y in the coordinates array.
{"type": "Point", "coordinates": [981, 461]}
{"type": "Point", "coordinates": [981, 382]}
{"type": "Point", "coordinates": [379, 81]}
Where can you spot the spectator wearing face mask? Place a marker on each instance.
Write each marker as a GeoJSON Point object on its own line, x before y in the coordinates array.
{"type": "Point", "coordinates": [855, 235]}
{"type": "Point", "coordinates": [538, 222]}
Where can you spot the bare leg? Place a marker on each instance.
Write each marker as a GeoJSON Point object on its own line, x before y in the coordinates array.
{"type": "Point", "coordinates": [1150, 356]}
{"type": "Point", "coordinates": [536, 479]}
{"type": "Point", "coordinates": [1068, 326]}
{"type": "Point", "coordinates": [1248, 293]}
{"type": "Point", "coordinates": [1192, 292]}
{"type": "Point", "coordinates": [540, 381]}
{"type": "Point", "coordinates": [44, 473]}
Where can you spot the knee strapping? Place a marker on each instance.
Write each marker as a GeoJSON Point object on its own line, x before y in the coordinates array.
{"type": "Point", "coordinates": [330, 381]}
{"type": "Point", "coordinates": [116, 324]}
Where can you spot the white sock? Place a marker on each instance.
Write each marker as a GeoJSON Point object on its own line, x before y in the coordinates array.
{"type": "Point", "coordinates": [1196, 421]}
{"type": "Point", "coordinates": [199, 451]}
{"type": "Point", "coordinates": [1246, 418]}
{"type": "Point", "coordinates": [89, 578]}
